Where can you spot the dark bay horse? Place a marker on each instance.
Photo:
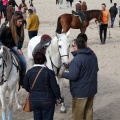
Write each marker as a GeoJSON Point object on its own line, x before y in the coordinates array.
{"type": "Point", "coordinates": [67, 21]}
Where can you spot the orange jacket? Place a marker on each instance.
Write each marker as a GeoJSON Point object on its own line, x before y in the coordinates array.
{"type": "Point", "coordinates": [105, 16]}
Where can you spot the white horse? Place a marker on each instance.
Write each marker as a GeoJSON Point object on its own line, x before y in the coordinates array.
{"type": "Point", "coordinates": [9, 76]}
{"type": "Point", "coordinates": [57, 54]}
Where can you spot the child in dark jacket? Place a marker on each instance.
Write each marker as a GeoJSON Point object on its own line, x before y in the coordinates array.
{"type": "Point", "coordinates": [45, 91]}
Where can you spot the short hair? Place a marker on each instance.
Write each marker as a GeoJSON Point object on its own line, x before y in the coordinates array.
{"type": "Point", "coordinates": [30, 10]}
{"type": "Point", "coordinates": [104, 4]}
{"type": "Point", "coordinates": [83, 35]}
{"type": "Point", "coordinates": [115, 4]}
{"type": "Point", "coordinates": [39, 57]}
{"type": "Point", "coordinates": [80, 43]}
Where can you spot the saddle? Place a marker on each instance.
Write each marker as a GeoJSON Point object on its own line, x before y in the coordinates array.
{"type": "Point", "coordinates": [43, 44]}
{"type": "Point", "coordinates": [82, 16]}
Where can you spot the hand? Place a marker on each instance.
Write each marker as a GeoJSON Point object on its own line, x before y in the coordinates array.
{"type": "Point", "coordinates": [108, 26]}
{"type": "Point", "coordinates": [59, 75]}
{"type": "Point", "coordinates": [20, 52]}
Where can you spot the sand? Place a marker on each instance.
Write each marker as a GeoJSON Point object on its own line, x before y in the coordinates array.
{"type": "Point", "coordinates": [107, 100]}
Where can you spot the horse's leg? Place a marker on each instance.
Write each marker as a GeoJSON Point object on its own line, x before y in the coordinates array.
{"type": "Point", "coordinates": [2, 97]}
{"type": "Point", "coordinates": [62, 108]}
{"type": "Point", "coordinates": [60, 81]}
{"type": "Point", "coordinates": [19, 106]}
{"type": "Point", "coordinates": [10, 107]}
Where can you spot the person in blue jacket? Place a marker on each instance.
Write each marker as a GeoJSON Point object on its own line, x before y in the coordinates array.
{"type": "Point", "coordinates": [45, 92]}
{"type": "Point", "coordinates": [82, 74]}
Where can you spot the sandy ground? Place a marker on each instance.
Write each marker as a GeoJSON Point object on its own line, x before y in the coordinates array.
{"type": "Point", "coordinates": [107, 100]}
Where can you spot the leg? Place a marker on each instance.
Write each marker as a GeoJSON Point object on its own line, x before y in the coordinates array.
{"type": "Point", "coordinates": [30, 34]}
{"type": "Point", "coordinates": [119, 20]}
{"type": "Point", "coordinates": [35, 105]}
{"type": "Point", "coordinates": [2, 97]}
{"type": "Point", "coordinates": [19, 106]}
{"type": "Point", "coordinates": [105, 33]}
{"type": "Point", "coordinates": [101, 30]}
{"type": "Point", "coordinates": [48, 110]}
{"type": "Point", "coordinates": [89, 109]}
{"type": "Point", "coordinates": [21, 58]}
{"type": "Point", "coordinates": [78, 108]}
{"type": "Point", "coordinates": [10, 107]}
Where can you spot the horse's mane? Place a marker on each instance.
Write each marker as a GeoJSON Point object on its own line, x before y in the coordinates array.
{"type": "Point", "coordinates": [90, 13]}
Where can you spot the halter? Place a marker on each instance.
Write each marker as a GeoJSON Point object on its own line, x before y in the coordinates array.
{"type": "Point", "coordinates": [53, 65]}
{"type": "Point", "coordinates": [5, 65]}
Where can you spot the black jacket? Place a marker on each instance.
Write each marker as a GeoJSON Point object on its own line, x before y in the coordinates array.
{"type": "Point", "coordinates": [113, 11]}
{"type": "Point", "coordinates": [46, 87]}
{"type": "Point", "coordinates": [7, 39]}
{"type": "Point", "coordinates": [83, 73]}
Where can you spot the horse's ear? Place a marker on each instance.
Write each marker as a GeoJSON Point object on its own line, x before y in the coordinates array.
{"type": "Point", "coordinates": [68, 33]}
{"type": "Point", "coordinates": [57, 35]}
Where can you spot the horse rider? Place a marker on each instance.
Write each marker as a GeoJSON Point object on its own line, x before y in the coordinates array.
{"type": "Point", "coordinates": [83, 7]}
{"type": "Point", "coordinates": [12, 36]}
{"type": "Point", "coordinates": [78, 6]}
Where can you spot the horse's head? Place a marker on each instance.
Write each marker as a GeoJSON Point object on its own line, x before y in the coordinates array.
{"type": "Point", "coordinates": [63, 48]}
{"type": "Point", "coordinates": [99, 17]}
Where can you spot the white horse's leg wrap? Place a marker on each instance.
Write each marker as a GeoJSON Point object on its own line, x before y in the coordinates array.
{"type": "Point", "coordinates": [10, 114]}
{"type": "Point", "coordinates": [63, 109]}
{"type": "Point", "coordinates": [3, 115]}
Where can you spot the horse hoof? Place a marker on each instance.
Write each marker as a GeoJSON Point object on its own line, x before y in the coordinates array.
{"type": "Point", "coordinates": [61, 111]}
{"type": "Point", "coordinates": [19, 106]}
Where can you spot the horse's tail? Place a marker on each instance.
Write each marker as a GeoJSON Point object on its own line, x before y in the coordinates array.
{"type": "Point", "coordinates": [59, 26]}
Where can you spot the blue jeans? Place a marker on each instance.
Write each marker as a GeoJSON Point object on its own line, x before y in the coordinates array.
{"type": "Point", "coordinates": [43, 110]}
{"type": "Point", "coordinates": [21, 58]}
{"type": "Point", "coordinates": [112, 21]}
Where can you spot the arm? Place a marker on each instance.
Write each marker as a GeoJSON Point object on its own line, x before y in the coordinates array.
{"type": "Point", "coordinates": [29, 23]}
{"type": "Point", "coordinates": [16, 4]}
{"type": "Point", "coordinates": [26, 84]}
{"type": "Point", "coordinates": [20, 42]}
{"type": "Point", "coordinates": [54, 85]}
{"type": "Point", "coordinates": [74, 71]}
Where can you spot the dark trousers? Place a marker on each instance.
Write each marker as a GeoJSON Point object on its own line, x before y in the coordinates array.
{"type": "Point", "coordinates": [43, 110]}
{"type": "Point", "coordinates": [112, 21]}
{"type": "Point", "coordinates": [111, 1]}
{"type": "Point", "coordinates": [70, 3]}
{"type": "Point", "coordinates": [32, 33]}
{"type": "Point", "coordinates": [103, 29]}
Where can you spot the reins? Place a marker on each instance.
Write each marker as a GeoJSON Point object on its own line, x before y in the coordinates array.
{"type": "Point", "coordinates": [3, 77]}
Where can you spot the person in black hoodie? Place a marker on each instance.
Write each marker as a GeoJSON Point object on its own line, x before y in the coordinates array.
{"type": "Point", "coordinates": [45, 92]}
{"type": "Point", "coordinates": [82, 74]}
{"type": "Point", "coordinates": [113, 12]}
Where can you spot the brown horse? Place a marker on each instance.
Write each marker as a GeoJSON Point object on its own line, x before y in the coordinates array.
{"type": "Point", "coordinates": [67, 21]}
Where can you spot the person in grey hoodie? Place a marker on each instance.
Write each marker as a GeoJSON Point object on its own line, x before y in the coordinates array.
{"type": "Point", "coordinates": [82, 74]}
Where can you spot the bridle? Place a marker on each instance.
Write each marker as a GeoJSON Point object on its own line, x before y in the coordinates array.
{"type": "Point", "coordinates": [3, 77]}
{"type": "Point", "coordinates": [53, 65]}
